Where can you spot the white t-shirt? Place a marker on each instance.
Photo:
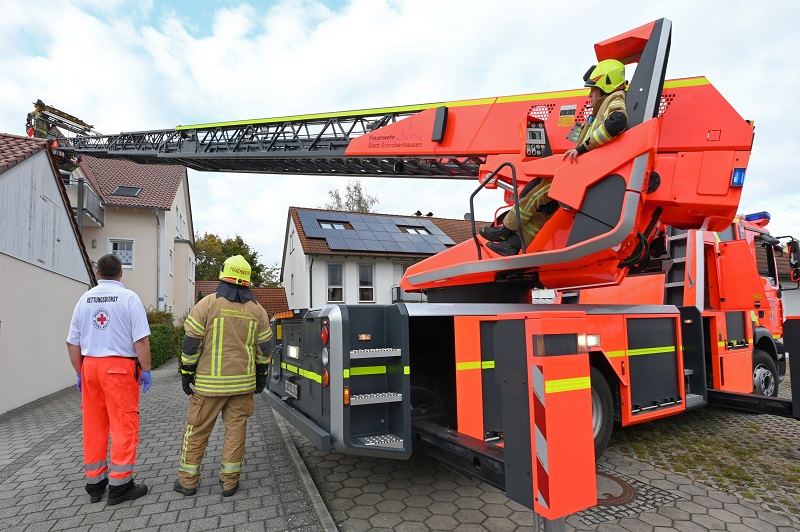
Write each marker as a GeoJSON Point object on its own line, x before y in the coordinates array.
{"type": "Point", "coordinates": [107, 320]}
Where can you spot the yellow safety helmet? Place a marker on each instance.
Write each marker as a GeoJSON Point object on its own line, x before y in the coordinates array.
{"type": "Point", "coordinates": [608, 76]}
{"type": "Point", "coordinates": [235, 270]}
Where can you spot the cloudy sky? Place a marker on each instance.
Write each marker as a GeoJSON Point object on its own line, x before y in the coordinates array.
{"type": "Point", "coordinates": [132, 65]}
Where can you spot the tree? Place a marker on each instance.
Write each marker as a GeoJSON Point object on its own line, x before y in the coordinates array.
{"type": "Point", "coordinates": [211, 254]}
{"type": "Point", "coordinates": [356, 199]}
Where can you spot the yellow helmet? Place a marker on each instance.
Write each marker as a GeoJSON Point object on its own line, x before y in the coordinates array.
{"type": "Point", "coordinates": [608, 76]}
{"type": "Point", "coordinates": [235, 270]}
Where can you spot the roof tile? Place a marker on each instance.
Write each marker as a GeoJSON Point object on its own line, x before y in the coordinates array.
{"type": "Point", "coordinates": [14, 149]}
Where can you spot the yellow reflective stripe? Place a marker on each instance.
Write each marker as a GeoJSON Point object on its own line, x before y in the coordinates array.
{"type": "Point", "coordinates": [347, 374]}
{"type": "Point", "coordinates": [194, 324]}
{"type": "Point", "coordinates": [368, 370]}
{"type": "Point", "coordinates": [190, 469]}
{"type": "Point", "coordinates": [544, 96]}
{"type": "Point", "coordinates": [279, 331]}
{"type": "Point", "coordinates": [468, 365]}
{"type": "Point", "coordinates": [487, 364]}
{"type": "Point", "coordinates": [567, 385]}
{"type": "Point", "coordinates": [651, 350]}
{"type": "Point", "coordinates": [230, 467]}
{"type": "Point", "coordinates": [190, 360]}
{"type": "Point", "coordinates": [406, 370]}
{"type": "Point", "coordinates": [720, 344]}
{"type": "Point", "coordinates": [776, 336]}
{"type": "Point", "coordinates": [614, 354]}
{"type": "Point", "coordinates": [216, 346]}
{"type": "Point", "coordinates": [265, 335]}
{"type": "Point", "coordinates": [185, 443]}
{"type": "Point", "coordinates": [316, 377]}
{"type": "Point", "coordinates": [688, 82]}
{"type": "Point", "coordinates": [251, 343]}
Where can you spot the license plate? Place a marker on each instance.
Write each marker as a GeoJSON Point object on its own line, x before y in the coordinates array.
{"type": "Point", "coordinates": [290, 388]}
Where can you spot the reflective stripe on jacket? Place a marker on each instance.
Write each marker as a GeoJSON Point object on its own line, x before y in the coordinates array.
{"type": "Point", "coordinates": [594, 134]}
{"type": "Point", "coordinates": [230, 333]}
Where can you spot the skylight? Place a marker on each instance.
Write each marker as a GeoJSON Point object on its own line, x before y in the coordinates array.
{"type": "Point", "coordinates": [130, 192]}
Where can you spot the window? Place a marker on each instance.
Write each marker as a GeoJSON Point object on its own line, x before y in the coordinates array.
{"type": "Point", "coordinates": [291, 243]}
{"type": "Point", "coordinates": [291, 284]}
{"type": "Point", "coordinates": [191, 270]}
{"type": "Point", "coordinates": [416, 230]}
{"type": "Point", "coordinates": [178, 219]}
{"type": "Point", "coordinates": [366, 291]}
{"type": "Point", "coordinates": [332, 225]}
{"type": "Point", "coordinates": [335, 284]}
{"type": "Point", "coordinates": [128, 192]}
{"type": "Point", "coordinates": [123, 249]}
{"type": "Point", "coordinates": [171, 263]}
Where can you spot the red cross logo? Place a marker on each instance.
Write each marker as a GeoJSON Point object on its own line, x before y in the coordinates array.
{"type": "Point", "coordinates": [100, 319]}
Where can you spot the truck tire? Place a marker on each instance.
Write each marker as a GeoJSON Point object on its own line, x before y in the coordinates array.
{"type": "Point", "coordinates": [602, 411]}
{"type": "Point", "coordinates": [765, 374]}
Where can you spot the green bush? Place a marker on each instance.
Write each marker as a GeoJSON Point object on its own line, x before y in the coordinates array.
{"type": "Point", "coordinates": [159, 316]}
{"type": "Point", "coordinates": [162, 344]}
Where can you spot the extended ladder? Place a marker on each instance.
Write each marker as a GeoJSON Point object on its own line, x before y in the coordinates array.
{"type": "Point", "coordinates": [306, 144]}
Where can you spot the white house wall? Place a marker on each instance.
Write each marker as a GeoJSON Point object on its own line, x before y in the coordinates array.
{"type": "Point", "coordinates": [383, 278]}
{"type": "Point", "coordinates": [35, 223]}
{"type": "Point", "coordinates": [34, 321]}
{"type": "Point", "coordinates": [295, 271]}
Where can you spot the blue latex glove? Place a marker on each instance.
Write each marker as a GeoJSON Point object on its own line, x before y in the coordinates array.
{"type": "Point", "coordinates": [79, 383]}
{"type": "Point", "coordinates": [146, 381]}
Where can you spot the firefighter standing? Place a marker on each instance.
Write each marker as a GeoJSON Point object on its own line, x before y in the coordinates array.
{"type": "Point", "coordinates": [225, 354]}
{"type": "Point", "coordinates": [606, 81]}
{"type": "Point", "coordinates": [109, 347]}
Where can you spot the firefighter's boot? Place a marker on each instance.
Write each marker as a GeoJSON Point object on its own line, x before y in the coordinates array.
{"type": "Point", "coordinates": [495, 234]}
{"type": "Point", "coordinates": [508, 248]}
{"type": "Point", "coordinates": [230, 491]}
{"type": "Point", "coordinates": [126, 492]}
{"type": "Point", "coordinates": [188, 492]}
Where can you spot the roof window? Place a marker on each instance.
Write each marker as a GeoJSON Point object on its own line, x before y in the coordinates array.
{"type": "Point", "coordinates": [129, 192]}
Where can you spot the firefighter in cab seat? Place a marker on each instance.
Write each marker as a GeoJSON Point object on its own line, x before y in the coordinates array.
{"type": "Point", "coordinates": [607, 84]}
{"type": "Point", "coordinates": [225, 354]}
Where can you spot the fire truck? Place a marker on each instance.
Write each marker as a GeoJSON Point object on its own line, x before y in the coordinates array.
{"type": "Point", "coordinates": [662, 305]}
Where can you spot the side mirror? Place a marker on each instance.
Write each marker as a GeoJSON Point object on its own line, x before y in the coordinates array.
{"type": "Point", "coordinates": [794, 259]}
{"type": "Point", "coordinates": [794, 254]}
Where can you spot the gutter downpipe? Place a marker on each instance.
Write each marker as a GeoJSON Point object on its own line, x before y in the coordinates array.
{"type": "Point", "coordinates": [311, 284]}
{"type": "Point", "coordinates": [158, 260]}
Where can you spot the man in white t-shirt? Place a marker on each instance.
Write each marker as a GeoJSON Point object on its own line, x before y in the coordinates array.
{"type": "Point", "coordinates": [109, 347]}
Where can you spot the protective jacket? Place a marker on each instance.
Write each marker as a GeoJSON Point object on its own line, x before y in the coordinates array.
{"type": "Point", "coordinates": [602, 127]}
{"type": "Point", "coordinates": [231, 335]}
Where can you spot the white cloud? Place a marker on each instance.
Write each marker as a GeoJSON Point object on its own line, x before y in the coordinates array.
{"type": "Point", "coordinates": [126, 66]}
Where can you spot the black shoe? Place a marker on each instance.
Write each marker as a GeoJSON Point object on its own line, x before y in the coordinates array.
{"type": "Point", "coordinates": [495, 234]}
{"type": "Point", "coordinates": [230, 492]}
{"type": "Point", "coordinates": [185, 491]}
{"type": "Point", "coordinates": [96, 491]}
{"type": "Point", "coordinates": [130, 492]}
{"type": "Point", "coordinates": [508, 248]}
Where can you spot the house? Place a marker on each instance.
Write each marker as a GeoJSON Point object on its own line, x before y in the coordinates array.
{"type": "Point", "coordinates": [273, 299]}
{"type": "Point", "coordinates": [143, 215]}
{"type": "Point", "coordinates": [348, 257]}
{"type": "Point", "coordinates": [44, 268]}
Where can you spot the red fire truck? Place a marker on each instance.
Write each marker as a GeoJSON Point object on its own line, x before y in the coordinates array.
{"type": "Point", "coordinates": [663, 307]}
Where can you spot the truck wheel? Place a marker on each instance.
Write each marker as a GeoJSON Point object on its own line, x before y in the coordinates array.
{"type": "Point", "coordinates": [602, 411]}
{"type": "Point", "coordinates": [765, 374]}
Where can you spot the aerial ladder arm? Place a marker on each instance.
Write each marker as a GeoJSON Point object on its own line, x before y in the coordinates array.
{"type": "Point", "coordinates": [681, 162]}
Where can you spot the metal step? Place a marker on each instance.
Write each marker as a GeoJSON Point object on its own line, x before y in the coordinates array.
{"type": "Point", "coordinates": [386, 441]}
{"type": "Point", "coordinates": [682, 236]}
{"type": "Point", "coordinates": [693, 400]}
{"type": "Point", "coordinates": [374, 353]}
{"type": "Point", "coordinates": [375, 398]}
{"type": "Point", "coordinates": [675, 284]}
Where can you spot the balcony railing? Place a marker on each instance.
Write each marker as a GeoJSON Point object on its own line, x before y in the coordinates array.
{"type": "Point", "coordinates": [93, 211]}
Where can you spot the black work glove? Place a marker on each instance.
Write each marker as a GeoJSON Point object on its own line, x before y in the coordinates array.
{"type": "Point", "coordinates": [261, 377]}
{"type": "Point", "coordinates": [187, 377]}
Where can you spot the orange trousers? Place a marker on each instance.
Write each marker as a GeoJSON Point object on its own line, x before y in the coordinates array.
{"type": "Point", "coordinates": [200, 421]}
{"type": "Point", "coordinates": [110, 406]}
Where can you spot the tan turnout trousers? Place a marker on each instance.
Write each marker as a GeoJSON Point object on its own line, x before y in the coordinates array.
{"type": "Point", "coordinates": [531, 218]}
{"type": "Point", "coordinates": [203, 412]}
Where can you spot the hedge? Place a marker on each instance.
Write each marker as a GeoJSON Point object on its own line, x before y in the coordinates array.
{"type": "Point", "coordinates": [165, 338]}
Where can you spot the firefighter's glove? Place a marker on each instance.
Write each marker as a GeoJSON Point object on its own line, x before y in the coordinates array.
{"type": "Point", "coordinates": [145, 380]}
{"type": "Point", "coordinates": [187, 378]}
{"type": "Point", "coordinates": [79, 383]}
{"type": "Point", "coordinates": [261, 377]}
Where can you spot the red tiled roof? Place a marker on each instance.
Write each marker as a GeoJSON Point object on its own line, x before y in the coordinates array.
{"type": "Point", "coordinates": [273, 299]}
{"type": "Point", "coordinates": [159, 183]}
{"type": "Point", "coordinates": [784, 270]}
{"type": "Point", "coordinates": [14, 149]}
{"type": "Point", "coordinates": [458, 230]}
